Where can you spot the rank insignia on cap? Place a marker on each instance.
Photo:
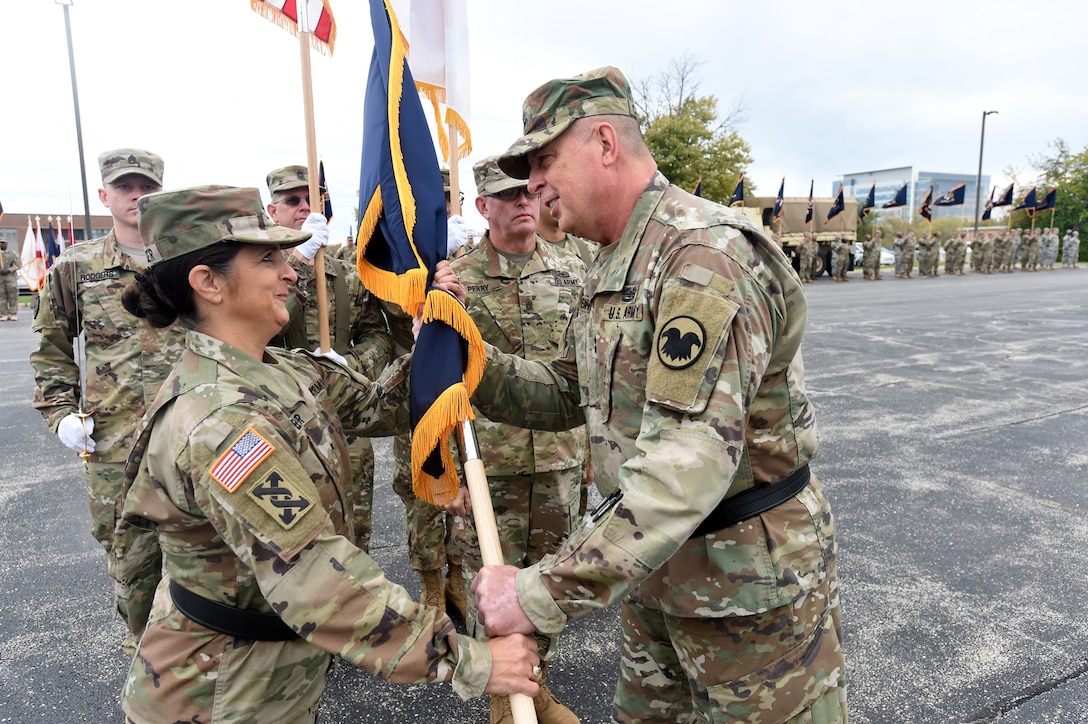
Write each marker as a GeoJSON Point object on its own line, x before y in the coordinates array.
{"type": "Point", "coordinates": [247, 452]}
{"type": "Point", "coordinates": [680, 342]}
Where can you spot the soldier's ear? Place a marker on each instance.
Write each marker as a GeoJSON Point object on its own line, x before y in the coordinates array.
{"type": "Point", "coordinates": [206, 284]}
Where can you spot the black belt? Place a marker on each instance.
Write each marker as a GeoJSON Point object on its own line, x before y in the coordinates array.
{"type": "Point", "coordinates": [752, 502]}
{"type": "Point", "coordinates": [238, 622]}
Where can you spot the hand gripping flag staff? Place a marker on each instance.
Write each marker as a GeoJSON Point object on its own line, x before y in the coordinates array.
{"type": "Point", "coordinates": [401, 238]}
{"type": "Point", "coordinates": [312, 21]}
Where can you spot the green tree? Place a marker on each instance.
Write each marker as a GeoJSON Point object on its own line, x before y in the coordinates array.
{"type": "Point", "coordinates": [689, 141]}
{"type": "Point", "coordinates": [1067, 171]}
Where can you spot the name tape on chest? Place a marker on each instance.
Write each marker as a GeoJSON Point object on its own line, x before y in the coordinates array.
{"type": "Point", "coordinates": [247, 452]}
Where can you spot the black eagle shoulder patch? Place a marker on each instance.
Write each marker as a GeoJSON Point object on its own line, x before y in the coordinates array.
{"type": "Point", "coordinates": [680, 342]}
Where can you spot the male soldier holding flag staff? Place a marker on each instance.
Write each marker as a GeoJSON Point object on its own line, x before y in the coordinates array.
{"type": "Point", "coordinates": [684, 356]}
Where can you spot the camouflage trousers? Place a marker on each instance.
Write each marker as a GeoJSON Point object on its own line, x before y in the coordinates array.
{"type": "Point", "coordinates": [1070, 252]}
{"type": "Point", "coordinates": [361, 492]}
{"type": "Point", "coordinates": [534, 514]}
{"type": "Point", "coordinates": [807, 257]}
{"type": "Point", "coordinates": [872, 265]}
{"type": "Point", "coordinates": [785, 665]}
{"type": "Point", "coordinates": [133, 583]}
{"type": "Point", "coordinates": [434, 538]}
{"type": "Point", "coordinates": [953, 264]}
{"type": "Point", "coordinates": [9, 295]}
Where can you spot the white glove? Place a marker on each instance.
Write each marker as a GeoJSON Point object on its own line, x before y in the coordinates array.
{"type": "Point", "coordinates": [456, 234]}
{"type": "Point", "coordinates": [318, 227]}
{"type": "Point", "coordinates": [333, 355]}
{"type": "Point", "coordinates": [75, 432]}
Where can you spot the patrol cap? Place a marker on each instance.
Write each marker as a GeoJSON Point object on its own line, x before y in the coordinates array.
{"type": "Point", "coordinates": [115, 164]}
{"type": "Point", "coordinates": [173, 223]}
{"type": "Point", "coordinates": [445, 179]}
{"type": "Point", "coordinates": [490, 179]}
{"type": "Point", "coordinates": [287, 178]}
{"type": "Point", "coordinates": [552, 107]}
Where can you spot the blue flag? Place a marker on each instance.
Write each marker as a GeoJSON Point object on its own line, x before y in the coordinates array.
{"type": "Point", "coordinates": [779, 200]}
{"type": "Point", "coordinates": [924, 211]}
{"type": "Point", "coordinates": [989, 207]}
{"type": "Point", "coordinates": [401, 239]}
{"type": "Point", "coordinates": [811, 203]}
{"type": "Point", "coordinates": [738, 192]}
{"type": "Point", "coordinates": [1050, 199]}
{"type": "Point", "coordinates": [899, 200]}
{"type": "Point", "coordinates": [954, 197]}
{"type": "Point", "coordinates": [836, 206]}
{"type": "Point", "coordinates": [326, 202]}
{"type": "Point", "coordinates": [1028, 204]}
{"type": "Point", "coordinates": [1005, 198]}
{"type": "Point", "coordinates": [870, 202]}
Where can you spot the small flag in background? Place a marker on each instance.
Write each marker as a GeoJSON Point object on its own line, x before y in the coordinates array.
{"type": "Point", "coordinates": [870, 202]}
{"type": "Point", "coordinates": [319, 20]}
{"type": "Point", "coordinates": [954, 196]}
{"type": "Point", "coordinates": [1006, 197]}
{"type": "Point", "coordinates": [1028, 204]}
{"type": "Point", "coordinates": [698, 190]}
{"type": "Point", "coordinates": [837, 205]}
{"type": "Point", "coordinates": [326, 202]}
{"type": "Point", "coordinates": [1049, 201]}
{"type": "Point", "coordinates": [989, 206]}
{"type": "Point", "coordinates": [779, 200]}
{"type": "Point", "coordinates": [811, 203]}
{"type": "Point", "coordinates": [52, 251]}
{"type": "Point", "coordinates": [899, 200]}
{"type": "Point", "coordinates": [924, 211]}
{"type": "Point", "coordinates": [33, 258]}
{"type": "Point", "coordinates": [738, 192]}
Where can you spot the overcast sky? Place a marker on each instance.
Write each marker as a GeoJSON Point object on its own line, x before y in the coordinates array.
{"type": "Point", "coordinates": [830, 87]}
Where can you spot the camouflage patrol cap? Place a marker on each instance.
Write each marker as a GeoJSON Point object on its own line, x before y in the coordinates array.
{"type": "Point", "coordinates": [287, 178]}
{"type": "Point", "coordinates": [173, 223]}
{"type": "Point", "coordinates": [552, 107]}
{"type": "Point", "coordinates": [490, 179]}
{"type": "Point", "coordinates": [445, 179]}
{"type": "Point", "coordinates": [121, 161]}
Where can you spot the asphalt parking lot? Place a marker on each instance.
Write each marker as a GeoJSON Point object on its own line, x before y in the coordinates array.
{"type": "Point", "coordinates": [953, 418]}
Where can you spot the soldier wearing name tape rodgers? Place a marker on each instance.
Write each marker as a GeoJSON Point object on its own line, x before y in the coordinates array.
{"type": "Point", "coordinates": [241, 469]}
{"type": "Point", "coordinates": [357, 328]}
{"type": "Point", "coordinates": [521, 292]}
{"type": "Point", "coordinates": [94, 399]}
{"type": "Point", "coordinates": [683, 358]}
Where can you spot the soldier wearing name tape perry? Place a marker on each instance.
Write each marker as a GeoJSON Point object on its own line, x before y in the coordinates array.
{"type": "Point", "coordinates": [241, 469]}
{"type": "Point", "coordinates": [683, 358]}
{"type": "Point", "coordinates": [94, 400]}
{"type": "Point", "coordinates": [357, 328]}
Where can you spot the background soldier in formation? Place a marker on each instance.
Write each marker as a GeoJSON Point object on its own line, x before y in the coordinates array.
{"type": "Point", "coordinates": [1029, 256]}
{"type": "Point", "coordinates": [809, 247]}
{"type": "Point", "coordinates": [9, 283]}
{"type": "Point", "coordinates": [927, 256]}
{"type": "Point", "coordinates": [93, 398]}
{"type": "Point", "coordinates": [840, 251]}
{"type": "Point", "coordinates": [1048, 252]}
{"type": "Point", "coordinates": [870, 257]}
{"type": "Point", "coordinates": [986, 253]}
{"type": "Point", "coordinates": [357, 328]}
{"type": "Point", "coordinates": [955, 254]}
{"type": "Point", "coordinates": [1070, 249]}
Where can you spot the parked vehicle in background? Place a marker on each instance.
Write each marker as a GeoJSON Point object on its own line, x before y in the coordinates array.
{"type": "Point", "coordinates": [791, 227]}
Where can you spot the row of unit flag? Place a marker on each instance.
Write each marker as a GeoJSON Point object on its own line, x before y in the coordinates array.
{"type": "Point", "coordinates": [40, 250]}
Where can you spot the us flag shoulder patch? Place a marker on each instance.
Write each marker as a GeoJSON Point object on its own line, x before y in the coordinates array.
{"type": "Point", "coordinates": [247, 452]}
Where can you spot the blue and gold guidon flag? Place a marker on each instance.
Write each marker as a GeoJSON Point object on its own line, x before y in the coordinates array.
{"type": "Point", "coordinates": [401, 239]}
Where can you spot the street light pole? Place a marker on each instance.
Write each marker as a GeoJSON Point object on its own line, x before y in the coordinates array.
{"type": "Point", "coordinates": [79, 128]}
{"type": "Point", "coordinates": [978, 181]}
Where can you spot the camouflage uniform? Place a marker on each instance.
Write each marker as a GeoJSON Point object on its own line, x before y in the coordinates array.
{"type": "Point", "coordinates": [271, 538]}
{"type": "Point", "coordinates": [909, 244]}
{"type": "Point", "coordinates": [842, 250]}
{"type": "Point", "coordinates": [9, 281]}
{"type": "Point", "coordinates": [584, 250]}
{"type": "Point", "coordinates": [809, 247]}
{"type": "Point", "coordinates": [685, 352]}
{"type": "Point", "coordinates": [535, 477]}
{"type": "Point", "coordinates": [927, 255]}
{"type": "Point", "coordinates": [358, 332]}
{"type": "Point", "coordinates": [955, 254]}
{"type": "Point", "coordinates": [1029, 256]}
{"type": "Point", "coordinates": [897, 252]}
{"type": "Point", "coordinates": [1002, 251]}
{"type": "Point", "coordinates": [1048, 251]}
{"type": "Point", "coordinates": [126, 362]}
{"type": "Point", "coordinates": [1070, 249]}
{"type": "Point", "coordinates": [986, 254]}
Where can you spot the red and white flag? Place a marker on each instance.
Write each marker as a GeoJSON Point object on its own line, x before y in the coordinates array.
{"type": "Point", "coordinates": [33, 258]}
{"type": "Point", "coordinates": [316, 18]}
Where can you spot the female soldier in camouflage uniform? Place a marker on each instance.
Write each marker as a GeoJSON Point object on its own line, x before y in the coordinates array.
{"type": "Point", "coordinates": [241, 468]}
